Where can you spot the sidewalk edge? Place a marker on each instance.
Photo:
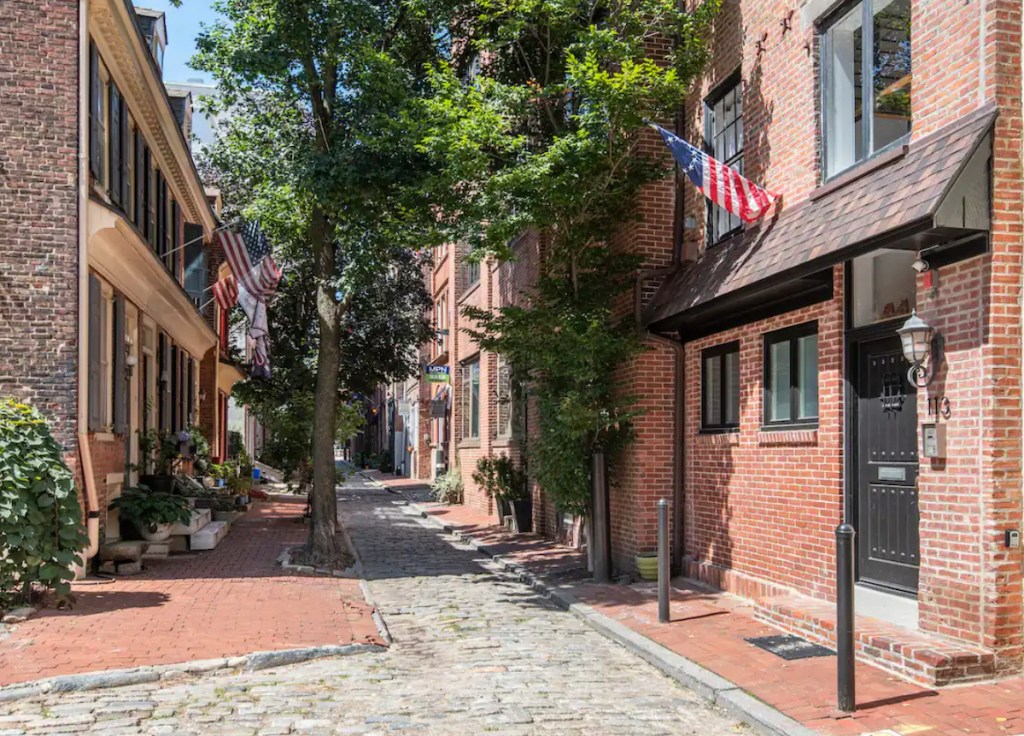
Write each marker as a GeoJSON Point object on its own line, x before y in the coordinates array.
{"type": "Point", "coordinates": [151, 673]}
{"type": "Point", "coordinates": [712, 687]}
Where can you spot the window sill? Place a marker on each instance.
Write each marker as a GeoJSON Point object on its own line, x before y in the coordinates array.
{"type": "Point", "coordinates": [860, 170]}
{"type": "Point", "coordinates": [104, 436]}
{"type": "Point", "coordinates": [469, 445]}
{"type": "Point", "coordinates": [706, 438]}
{"type": "Point", "coordinates": [796, 434]}
{"type": "Point", "coordinates": [503, 442]}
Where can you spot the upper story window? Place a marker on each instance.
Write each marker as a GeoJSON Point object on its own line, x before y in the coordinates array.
{"type": "Point", "coordinates": [866, 81]}
{"type": "Point", "coordinates": [441, 324]}
{"type": "Point", "coordinates": [723, 139]}
{"type": "Point", "coordinates": [470, 275]}
{"type": "Point", "coordinates": [470, 399]}
{"type": "Point", "coordinates": [505, 397]}
{"type": "Point", "coordinates": [97, 117]}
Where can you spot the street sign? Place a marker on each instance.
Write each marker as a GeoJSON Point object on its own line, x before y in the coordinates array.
{"type": "Point", "coordinates": [436, 373]}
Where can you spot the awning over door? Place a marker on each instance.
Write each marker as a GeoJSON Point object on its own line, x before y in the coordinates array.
{"type": "Point", "coordinates": [933, 194]}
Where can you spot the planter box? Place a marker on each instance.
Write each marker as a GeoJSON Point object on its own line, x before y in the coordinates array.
{"type": "Point", "coordinates": [522, 514]}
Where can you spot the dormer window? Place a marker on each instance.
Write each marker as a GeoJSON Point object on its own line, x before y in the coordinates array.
{"type": "Point", "coordinates": [153, 24]}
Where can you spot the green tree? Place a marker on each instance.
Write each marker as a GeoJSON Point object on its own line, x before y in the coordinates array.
{"type": "Point", "coordinates": [325, 103]}
{"type": "Point", "coordinates": [537, 119]}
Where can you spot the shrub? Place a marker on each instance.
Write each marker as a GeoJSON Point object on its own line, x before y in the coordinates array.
{"type": "Point", "coordinates": [447, 487]}
{"type": "Point", "coordinates": [41, 531]}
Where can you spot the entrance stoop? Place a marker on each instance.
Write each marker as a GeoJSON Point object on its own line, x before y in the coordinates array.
{"type": "Point", "coordinates": [921, 657]}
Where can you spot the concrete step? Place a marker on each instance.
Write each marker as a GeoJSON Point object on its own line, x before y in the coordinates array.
{"type": "Point", "coordinates": [157, 550]}
{"type": "Point", "coordinates": [121, 552]}
{"type": "Point", "coordinates": [209, 536]}
{"type": "Point", "coordinates": [200, 518]}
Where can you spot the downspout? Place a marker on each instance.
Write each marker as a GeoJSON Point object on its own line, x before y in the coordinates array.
{"type": "Point", "coordinates": [89, 480]}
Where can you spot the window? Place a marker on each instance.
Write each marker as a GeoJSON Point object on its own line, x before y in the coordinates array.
{"type": "Point", "coordinates": [791, 375]}
{"type": "Point", "coordinates": [866, 81]}
{"type": "Point", "coordinates": [720, 387]}
{"type": "Point", "coordinates": [505, 398]}
{"type": "Point", "coordinates": [470, 274]}
{"type": "Point", "coordinates": [470, 399]}
{"type": "Point", "coordinates": [723, 139]}
{"type": "Point", "coordinates": [441, 324]}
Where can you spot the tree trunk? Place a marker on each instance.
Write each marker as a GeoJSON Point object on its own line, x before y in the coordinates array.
{"type": "Point", "coordinates": [322, 545]}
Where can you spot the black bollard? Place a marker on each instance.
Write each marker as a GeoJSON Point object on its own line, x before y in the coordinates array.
{"type": "Point", "coordinates": [664, 571]}
{"type": "Point", "coordinates": [844, 618]}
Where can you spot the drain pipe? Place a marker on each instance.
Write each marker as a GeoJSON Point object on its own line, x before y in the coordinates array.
{"type": "Point", "coordinates": [88, 479]}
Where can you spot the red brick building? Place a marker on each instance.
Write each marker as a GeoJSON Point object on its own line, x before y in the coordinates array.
{"type": "Point", "coordinates": [776, 394]}
{"type": "Point", "coordinates": [105, 242]}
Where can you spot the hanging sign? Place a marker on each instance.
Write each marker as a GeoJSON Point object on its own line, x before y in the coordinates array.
{"type": "Point", "coordinates": [436, 373]}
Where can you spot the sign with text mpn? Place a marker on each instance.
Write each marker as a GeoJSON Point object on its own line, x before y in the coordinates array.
{"type": "Point", "coordinates": [436, 373]}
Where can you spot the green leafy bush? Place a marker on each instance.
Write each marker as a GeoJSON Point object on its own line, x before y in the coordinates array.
{"type": "Point", "coordinates": [447, 487]}
{"type": "Point", "coordinates": [41, 531]}
{"type": "Point", "coordinates": [148, 509]}
{"type": "Point", "coordinates": [500, 478]}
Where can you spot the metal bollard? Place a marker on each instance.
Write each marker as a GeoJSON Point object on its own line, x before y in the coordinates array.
{"type": "Point", "coordinates": [664, 572]}
{"type": "Point", "coordinates": [599, 520]}
{"type": "Point", "coordinates": [844, 618]}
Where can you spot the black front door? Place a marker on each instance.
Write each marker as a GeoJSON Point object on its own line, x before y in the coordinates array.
{"type": "Point", "coordinates": [886, 460]}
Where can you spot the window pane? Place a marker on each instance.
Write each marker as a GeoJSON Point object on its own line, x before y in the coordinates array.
{"type": "Point", "coordinates": [731, 410]}
{"type": "Point", "coordinates": [712, 391]}
{"type": "Point", "coordinates": [807, 355]}
{"type": "Point", "coordinates": [891, 65]}
{"type": "Point", "coordinates": [779, 383]}
{"type": "Point", "coordinates": [844, 43]}
{"type": "Point", "coordinates": [475, 399]}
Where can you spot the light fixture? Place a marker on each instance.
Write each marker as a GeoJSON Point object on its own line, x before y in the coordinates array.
{"type": "Point", "coordinates": [920, 265]}
{"type": "Point", "coordinates": [916, 337]}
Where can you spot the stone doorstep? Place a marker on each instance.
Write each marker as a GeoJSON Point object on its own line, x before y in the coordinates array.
{"type": "Point", "coordinates": [923, 658]}
{"type": "Point", "coordinates": [200, 518]}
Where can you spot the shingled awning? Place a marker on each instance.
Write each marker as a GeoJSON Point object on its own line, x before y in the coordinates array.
{"type": "Point", "coordinates": [931, 193]}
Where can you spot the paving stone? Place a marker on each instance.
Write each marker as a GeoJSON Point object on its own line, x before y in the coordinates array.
{"type": "Point", "coordinates": [475, 651]}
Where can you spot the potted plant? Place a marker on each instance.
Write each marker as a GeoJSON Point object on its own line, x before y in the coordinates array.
{"type": "Point", "coordinates": [507, 484]}
{"type": "Point", "coordinates": [152, 512]}
{"type": "Point", "coordinates": [647, 566]}
{"type": "Point", "coordinates": [160, 451]}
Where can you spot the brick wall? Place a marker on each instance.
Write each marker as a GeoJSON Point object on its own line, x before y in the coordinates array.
{"type": "Point", "coordinates": [39, 208]}
{"type": "Point", "coordinates": [766, 504]}
{"type": "Point", "coordinates": [108, 457]}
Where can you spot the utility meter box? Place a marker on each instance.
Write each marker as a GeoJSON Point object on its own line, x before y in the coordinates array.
{"type": "Point", "coordinates": [933, 440]}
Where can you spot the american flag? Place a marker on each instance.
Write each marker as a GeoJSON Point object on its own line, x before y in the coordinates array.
{"type": "Point", "coordinates": [248, 254]}
{"type": "Point", "coordinates": [225, 292]}
{"type": "Point", "coordinates": [722, 185]}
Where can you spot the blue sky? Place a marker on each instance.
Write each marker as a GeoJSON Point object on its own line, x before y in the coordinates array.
{"type": "Point", "coordinates": [183, 25]}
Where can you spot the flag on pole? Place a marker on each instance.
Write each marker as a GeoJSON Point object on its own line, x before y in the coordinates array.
{"type": "Point", "coordinates": [248, 254]}
{"type": "Point", "coordinates": [716, 181]}
{"type": "Point", "coordinates": [225, 292]}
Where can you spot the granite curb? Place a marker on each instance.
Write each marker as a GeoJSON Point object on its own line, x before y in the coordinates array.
{"type": "Point", "coordinates": [139, 675]}
{"type": "Point", "coordinates": [716, 689]}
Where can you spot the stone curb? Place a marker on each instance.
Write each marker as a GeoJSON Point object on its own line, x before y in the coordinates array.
{"type": "Point", "coordinates": [378, 619]}
{"type": "Point", "coordinates": [139, 675]}
{"type": "Point", "coordinates": [716, 689]}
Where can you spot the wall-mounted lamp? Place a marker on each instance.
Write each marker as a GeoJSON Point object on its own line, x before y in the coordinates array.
{"type": "Point", "coordinates": [131, 361]}
{"type": "Point", "coordinates": [917, 336]}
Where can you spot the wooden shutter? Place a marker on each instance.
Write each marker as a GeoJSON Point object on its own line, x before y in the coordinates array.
{"type": "Point", "coordinates": [151, 175]}
{"type": "Point", "coordinates": [120, 378]}
{"type": "Point", "coordinates": [140, 182]}
{"type": "Point", "coordinates": [174, 239]}
{"type": "Point", "coordinates": [124, 131]}
{"type": "Point", "coordinates": [114, 134]}
{"type": "Point", "coordinates": [190, 418]}
{"type": "Point", "coordinates": [96, 306]}
{"type": "Point", "coordinates": [166, 381]}
{"type": "Point", "coordinates": [95, 111]}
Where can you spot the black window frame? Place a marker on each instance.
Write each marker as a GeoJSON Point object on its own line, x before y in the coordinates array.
{"type": "Point", "coordinates": [791, 335]}
{"type": "Point", "coordinates": [733, 82]}
{"type": "Point", "coordinates": [868, 95]}
{"type": "Point", "coordinates": [726, 348]}
{"type": "Point", "coordinates": [470, 275]}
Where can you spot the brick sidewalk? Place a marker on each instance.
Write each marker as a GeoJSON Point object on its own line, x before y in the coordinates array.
{"type": "Point", "coordinates": [709, 628]}
{"type": "Point", "coordinates": [231, 601]}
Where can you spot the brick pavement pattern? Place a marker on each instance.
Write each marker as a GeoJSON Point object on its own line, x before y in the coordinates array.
{"type": "Point", "coordinates": [227, 602]}
{"type": "Point", "coordinates": [474, 652]}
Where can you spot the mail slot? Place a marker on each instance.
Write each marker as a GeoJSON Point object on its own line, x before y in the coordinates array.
{"type": "Point", "coordinates": [933, 440]}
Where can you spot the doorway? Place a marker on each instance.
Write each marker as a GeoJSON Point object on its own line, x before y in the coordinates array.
{"type": "Point", "coordinates": [884, 462]}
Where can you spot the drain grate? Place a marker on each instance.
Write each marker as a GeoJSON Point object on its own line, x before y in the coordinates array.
{"type": "Point", "coordinates": [790, 647]}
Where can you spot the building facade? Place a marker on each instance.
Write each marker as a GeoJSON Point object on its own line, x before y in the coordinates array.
{"type": "Point", "coordinates": [776, 397]}
{"type": "Point", "coordinates": [106, 238]}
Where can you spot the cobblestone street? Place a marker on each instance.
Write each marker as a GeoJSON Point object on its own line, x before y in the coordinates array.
{"type": "Point", "coordinates": [474, 652]}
